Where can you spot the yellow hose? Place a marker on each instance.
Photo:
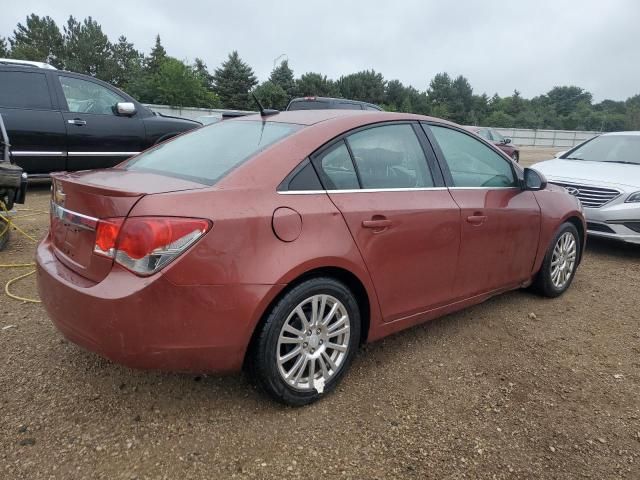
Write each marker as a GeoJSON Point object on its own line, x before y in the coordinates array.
{"type": "Point", "coordinates": [8, 224]}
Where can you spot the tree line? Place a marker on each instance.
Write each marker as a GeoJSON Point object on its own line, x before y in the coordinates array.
{"type": "Point", "coordinates": [82, 46]}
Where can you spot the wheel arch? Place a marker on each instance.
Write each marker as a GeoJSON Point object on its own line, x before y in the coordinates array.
{"type": "Point", "coordinates": [577, 222]}
{"type": "Point", "coordinates": [351, 280]}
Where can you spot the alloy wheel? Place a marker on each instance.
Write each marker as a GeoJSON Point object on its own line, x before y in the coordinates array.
{"type": "Point", "coordinates": [313, 343]}
{"type": "Point", "coordinates": [563, 260]}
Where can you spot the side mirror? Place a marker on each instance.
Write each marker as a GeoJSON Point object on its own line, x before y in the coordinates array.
{"type": "Point", "coordinates": [126, 109]}
{"type": "Point", "coordinates": [559, 154]}
{"type": "Point", "coordinates": [534, 180]}
{"type": "Point", "coordinates": [506, 141]}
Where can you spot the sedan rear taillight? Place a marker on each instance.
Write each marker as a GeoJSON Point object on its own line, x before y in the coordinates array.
{"type": "Point", "coordinates": [144, 245]}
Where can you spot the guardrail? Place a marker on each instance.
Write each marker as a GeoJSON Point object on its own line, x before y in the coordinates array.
{"type": "Point", "coordinates": [546, 138]}
{"type": "Point", "coordinates": [519, 136]}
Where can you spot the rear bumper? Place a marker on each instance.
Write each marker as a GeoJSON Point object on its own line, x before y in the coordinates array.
{"type": "Point", "coordinates": [150, 323]}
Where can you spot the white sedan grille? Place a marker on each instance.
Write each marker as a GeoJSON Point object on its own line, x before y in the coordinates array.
{"type": "Point", "coordinates": [590, 196]}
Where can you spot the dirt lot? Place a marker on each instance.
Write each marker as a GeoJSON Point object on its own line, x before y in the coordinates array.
{"type": "Point", "coordinates": [518, 387]}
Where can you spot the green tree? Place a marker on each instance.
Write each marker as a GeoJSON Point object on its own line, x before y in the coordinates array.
{"type": "Point", "coordinates": [272, 95]}
{"type": "Point", "coordinates": [126, 63]}
{"type": "Point", "coordinates": [282, 76]}
{"type": "Point", "coordinates": [178, 84]}
{"type": "Point", "coordinates": [233, 81]}
{"type": "Point", "coordinates": [461, 102]}
{"type": "Point", "coordinates": [155, 59]}
{"type": "Point", "coordinates": [566, 99]}
{"type": "Point", "coordinates": [87, 49]}
{"type": "Point", "coordinates": [440, 94]}
{"type": "Point", "coordinates": [39, 40]}
{"type": "Point", "coordinates": [316, 84]}
{"type": "Point", "coordinates": [203, 74]}
{"type": "Point", "coordinates": [366, 86]}
{"type": "Point", "coordinates": [395, 95]}
{"type": "Point", "coordinates": [633, 113]}
{"type": "Point", "coordinates": [4, 48]}
{"type": "Point", "coordinates": [499, 119]}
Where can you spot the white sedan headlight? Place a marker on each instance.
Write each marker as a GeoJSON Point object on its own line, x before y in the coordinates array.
{"type": "Point", "coordinates": [633, 198]}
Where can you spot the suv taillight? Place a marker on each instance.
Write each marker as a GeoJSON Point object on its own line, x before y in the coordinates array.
{"type": "Point", "coordinates": [144, 245]}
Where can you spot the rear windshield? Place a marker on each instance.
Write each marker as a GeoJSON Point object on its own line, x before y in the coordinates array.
{"type": "Point", "coordinates": [308, 105]}
{"type": "Point", "coordinates": [209, 153]}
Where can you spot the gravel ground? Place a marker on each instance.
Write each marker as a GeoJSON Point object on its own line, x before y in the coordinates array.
{"type": "Point", "coordinates": [518, 387]}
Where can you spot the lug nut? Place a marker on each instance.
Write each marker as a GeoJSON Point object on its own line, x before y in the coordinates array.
{"type": "Point", "coordinates": [313, 350]}
{"type": "Point", "coordinates": [320, 342]}
{"type": "Point", "coordinates": [305, 344]}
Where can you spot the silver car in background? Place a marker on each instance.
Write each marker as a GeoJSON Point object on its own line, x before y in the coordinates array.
{"type": "Point", "coordinates": [604, 173]}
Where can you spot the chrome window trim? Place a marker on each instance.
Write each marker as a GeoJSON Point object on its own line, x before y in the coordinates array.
{"type": "Point", "coordinates": [35, 153]}
{"type": "Point", "coordinates": [360, 190]}
{"type": "Point", "coordinates": [100, 154]}
{"type": "Point", "coordinates": [484, 188]}
{"type": "Point", "coordinates": [76, 219]}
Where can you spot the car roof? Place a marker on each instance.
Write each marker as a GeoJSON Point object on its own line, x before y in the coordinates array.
{"type": "Point", "coordinates": [311, 117]}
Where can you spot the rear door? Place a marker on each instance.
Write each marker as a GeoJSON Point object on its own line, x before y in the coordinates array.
{"type": "Point", "coordinates": [386, 183]}
{"type": "Point", "coordinates": [33, 122]}
{"type": "Point", "coordinates": [96, 136]}
{"type": "Point", "coordinates": [500, 222]}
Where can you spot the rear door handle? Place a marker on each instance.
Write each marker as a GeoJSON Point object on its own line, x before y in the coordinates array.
{"type": "Point", "coordinates": [77, 121]}
{"type": "Point", "coordinates": [377, 223]}
{"type": "Point", "coordinates": [476, 219]}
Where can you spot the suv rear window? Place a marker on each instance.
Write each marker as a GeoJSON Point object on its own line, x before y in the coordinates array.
{"type": "Point", "coordinates": [24, 90]}
{"type": "Point", "coordinates": [207, 154]}
{"type": "Point", "coordinates": [309, 105]}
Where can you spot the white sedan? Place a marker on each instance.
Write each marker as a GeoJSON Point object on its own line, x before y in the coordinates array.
{"type": "Point", "coordinates": [604, 173]}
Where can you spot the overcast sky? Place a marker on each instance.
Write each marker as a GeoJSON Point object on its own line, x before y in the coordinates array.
{"type": "Point", "coordinates": [531, 46]}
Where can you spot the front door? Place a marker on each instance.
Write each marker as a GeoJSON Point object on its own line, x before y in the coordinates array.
{"type": "Point", "coordinates": [500, 222]}
{"type": "Point", "coordinates": [404, 222]}
{"type": "Point", "coordinates": [96, 136]}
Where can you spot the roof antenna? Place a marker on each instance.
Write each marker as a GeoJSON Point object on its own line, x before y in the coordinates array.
{"type": "Point", "coordinates": [264, 112]}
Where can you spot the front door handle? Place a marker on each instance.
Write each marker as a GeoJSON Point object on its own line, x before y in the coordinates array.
{"type": "Point", "coordinates": [77, 121]}
{"type": "Point", "coordinates": [476, 219]}
{"type": "Point", "coordinates": [377, 223]}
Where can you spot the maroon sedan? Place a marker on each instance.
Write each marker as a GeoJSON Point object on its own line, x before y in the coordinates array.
{"type": "Point", "coordinates": [495, 137]}
{"type": "Point", "coordinates": [281, 243]}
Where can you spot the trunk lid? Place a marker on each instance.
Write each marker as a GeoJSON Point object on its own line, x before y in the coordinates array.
{"type": "Point", "coordinates": [80, 199]}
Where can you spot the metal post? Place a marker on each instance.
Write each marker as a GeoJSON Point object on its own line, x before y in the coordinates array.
{"type": "Point", "coordinates": [4, 139]}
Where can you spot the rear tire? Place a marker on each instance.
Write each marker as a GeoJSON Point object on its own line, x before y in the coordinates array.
{"type": "Point", "coordinates": [5, 232]}
{"type": "Point", "coordinates": [560, 262]}
{"type": "Point", "coordinates": [297, 360]}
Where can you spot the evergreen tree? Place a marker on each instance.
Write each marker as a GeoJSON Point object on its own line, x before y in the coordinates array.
{"type": "Point", "coordinates": [316, 84]}
{"type": "Point", "coordinates": [366, 86]}
{"type": "Point", "coordinates": [203, 74]}
{"type": "Point", "coordinates": [395, 96]}
{"type": "Point", "coordinates": [272, 95]}
{"type": "Point", "coordinates": [282, 76]}
{"type": "Point", "coordinates": [4, 49]}
{"type": "Point", "coordinates": [126, 63]}
{"type": "Point", "coordinates": [87, 49]}
{"type": "Point", "coordinates": [461, 101]}
{"type": "Point", "coordinates": [39, 40]}
{"type": "Point", "coordinates": [233, 81]}
{"type": "Point", "coordinates": [156, 57]}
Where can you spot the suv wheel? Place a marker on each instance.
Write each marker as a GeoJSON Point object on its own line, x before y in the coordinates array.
{"type": "Point", "coordinates": [307, 342]}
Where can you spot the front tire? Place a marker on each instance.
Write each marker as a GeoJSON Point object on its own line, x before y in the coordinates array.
{"type": "Point", "coordinates": [560, 262]}
{"type": "Point", "coordinates": [307, 342]}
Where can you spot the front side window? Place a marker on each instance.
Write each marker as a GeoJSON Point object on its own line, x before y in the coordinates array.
{"type": "Point", "coordinates": [209, 153]}
{"type": "Point", "coordinates": [484, 133]}
{"type": "Point", "coordinates": [390, 156]}
{"type": "Point", "coordinates": [497, 137]}
{"type": "Point", "coordinates": [472, 163]}
{"type": "Point", "coordinates": [24, 90]}
{"type": "Point", "coordinates": [87, 97]}
{"type": "Point", "coordinates": [337, 169]}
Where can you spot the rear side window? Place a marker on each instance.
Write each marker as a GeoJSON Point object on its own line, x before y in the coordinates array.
{"type": "Point", "coordinates": [347, 106]}
{"type": "Point", "coordinates": [472, 163]}
{"type": "Point", "coordinates": [24, 90]}
{"type": "Point", "coordinates": [337, 168]}
{"type": "Point", "coordinates": [390, 156]}
{"type": "Point", "coordinates": [209, 153]}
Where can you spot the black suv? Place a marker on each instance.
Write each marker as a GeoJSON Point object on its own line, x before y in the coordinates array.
{"type": "Point", "coordinates": [325, 103]}
{"type": "Point", "coordinates": [58, 120]}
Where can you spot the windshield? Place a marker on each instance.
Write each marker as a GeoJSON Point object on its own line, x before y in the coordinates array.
{"type": "Point", "coordinates": [497, 137]}
{"type": "Point", "coordinates": [609, 148]}
{"type": "Point", "coordinates": [209, 153]}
